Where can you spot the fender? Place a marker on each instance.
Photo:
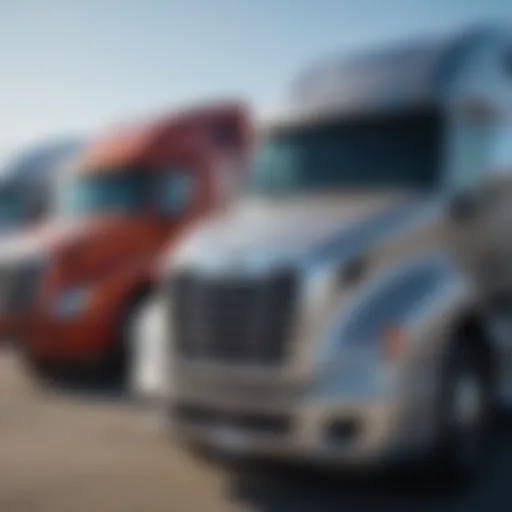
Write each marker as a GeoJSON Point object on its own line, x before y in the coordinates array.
{"type": "Point", "coordinates": [426, 298]}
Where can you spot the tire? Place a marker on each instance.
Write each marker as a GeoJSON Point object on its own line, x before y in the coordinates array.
{"type": "Point", "coordinates": [465, 416]}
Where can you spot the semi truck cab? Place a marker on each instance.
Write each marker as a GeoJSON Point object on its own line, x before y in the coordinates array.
{"type": "Point", "coordinates": [342, 311]}
{"type": "Point", "coordinates": [131, 192]}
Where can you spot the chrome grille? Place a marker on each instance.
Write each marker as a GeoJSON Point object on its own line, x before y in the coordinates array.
{"type": "Point", "coordinates": [233, 319]}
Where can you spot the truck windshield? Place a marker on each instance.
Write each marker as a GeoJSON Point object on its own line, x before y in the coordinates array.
{"type": "Point", "coordinates": [114, 191]}
{"type": "Point", "coordinates": [393, 151]}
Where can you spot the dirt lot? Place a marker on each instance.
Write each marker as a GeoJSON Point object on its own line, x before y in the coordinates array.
{"type": "Point", "coordinates": [72, 453]}
{"type": "Point", "coordinates": [95, 452]}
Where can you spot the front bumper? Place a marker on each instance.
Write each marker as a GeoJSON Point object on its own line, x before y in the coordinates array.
{"type": "Point", "coordinates": [365, 434]}
{"type": "Point", "coordinates": [280, 424]}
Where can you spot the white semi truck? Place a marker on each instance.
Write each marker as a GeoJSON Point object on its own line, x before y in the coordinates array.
{"type": "Point", "coordinates": [354, 303]}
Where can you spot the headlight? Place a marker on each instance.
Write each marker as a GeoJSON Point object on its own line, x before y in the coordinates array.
{"type": "Point", "coordinates": [72, 301]}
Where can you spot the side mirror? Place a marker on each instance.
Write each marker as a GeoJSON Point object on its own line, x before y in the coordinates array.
{"type": "Point", "coordinates": [463, 207]}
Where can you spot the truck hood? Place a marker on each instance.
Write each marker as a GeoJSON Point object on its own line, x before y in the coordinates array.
{"type": "Point", "coordinates": [261, 231]}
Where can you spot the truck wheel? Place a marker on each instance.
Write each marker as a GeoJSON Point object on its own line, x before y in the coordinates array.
{"type": "Point", "coordinates": [465, 413]}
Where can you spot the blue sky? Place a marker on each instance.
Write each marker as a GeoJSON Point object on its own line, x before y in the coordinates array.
{"type": "Point", "coordinates": [79, 64]}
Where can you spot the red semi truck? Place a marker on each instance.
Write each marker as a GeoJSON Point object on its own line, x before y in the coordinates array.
{"type": "Point", "coordinates": [130, 193]}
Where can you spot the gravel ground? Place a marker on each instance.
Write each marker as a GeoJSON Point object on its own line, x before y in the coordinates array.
{"type": "Point", "coordinates": [77, 451]}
